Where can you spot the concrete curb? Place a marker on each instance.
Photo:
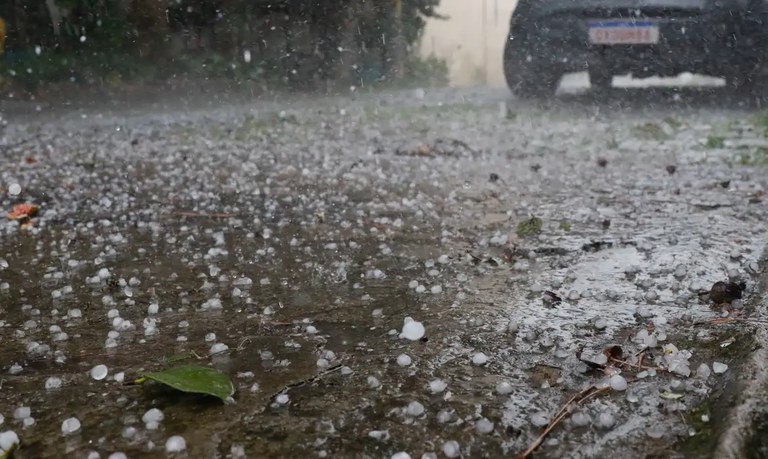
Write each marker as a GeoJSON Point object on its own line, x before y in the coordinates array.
{"type": "Point", "coordinates": [741, 428]}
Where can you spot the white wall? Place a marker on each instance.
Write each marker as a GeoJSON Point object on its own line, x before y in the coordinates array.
{"type": "Point", "coordinates": [471, 39]}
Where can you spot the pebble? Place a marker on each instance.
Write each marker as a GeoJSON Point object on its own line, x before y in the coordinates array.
{"type": "Point", "coordinates": [606, 420]}
{"type": "Point", "coordinates": [437, 386]}
{"type": "Point", "coordinates": [175, 444]}
{"type": "Point", "coordinates": [152, 418]}
{"type": "Point", "coordinates": [70, 426]}
{"type": "Point", "coordinates": [412, 330]}
{"type": "Point", "coordinates": [618, 383]}
{"type": "Point", "coordinates": [22, 412]}
{"type": "Point", "coordinates": [451, 449]}
{"type": "Point", "coordinates": [52, 383]}
{"type": "Point", "coordinates": [580, 419]}
{"type": "Point", "coordinates": [539, 419]}
{"type": "Point", "coordinates": [403, 360]}
{"type": "Point", "coordinates": [414, 409]}
{"type": "Point", "coordinates": [719, 368]}
{"type": "Point", "coordinates": [8, 440]}
{"type": "Point", "coordinates": [484, 426]}
{"type": "Point", "coordinates": [703, 371]}
{"type": "Point", "coordinates": [218, 348]}
{"type": "Point", "coordinates": [504, 388]}
{"type": "Point", "coordinates": [99, 372]}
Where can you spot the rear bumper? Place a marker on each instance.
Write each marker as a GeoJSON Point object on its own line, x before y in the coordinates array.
{"type": "Point", "coordinates": [709, 43]}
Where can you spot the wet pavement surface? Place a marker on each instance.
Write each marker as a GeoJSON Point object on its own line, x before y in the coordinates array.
{"type": "Point", "coordinates": [288, 244]}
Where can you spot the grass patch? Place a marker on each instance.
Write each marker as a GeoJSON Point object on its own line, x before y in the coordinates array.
{"type": "Point", "coordinates": [529, 228]}
{"type": "Point", "coordinates": [761, 123]}
{"type": "Point", "coordinates": [715, 141]}
{"type": "Point", "coordinates": [758, 157]}
{"type": "Point", "coordinates": [651, 131]}
{"type": "Point", "coordinates": [674, 123]}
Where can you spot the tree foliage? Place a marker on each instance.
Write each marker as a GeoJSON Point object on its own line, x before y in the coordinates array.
{"type": "Point", "coordinates": [307, 41]}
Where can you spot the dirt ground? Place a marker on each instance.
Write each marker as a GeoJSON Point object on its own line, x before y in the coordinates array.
{"type": "Point", "coordinates": [286, 241]}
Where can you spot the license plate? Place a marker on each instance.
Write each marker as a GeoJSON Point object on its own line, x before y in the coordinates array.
{"type": "Point", "coordinates": [623, 33]}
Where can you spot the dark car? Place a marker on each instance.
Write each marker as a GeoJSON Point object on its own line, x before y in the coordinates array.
{"type": "Point", "coordinates": [548, 38]}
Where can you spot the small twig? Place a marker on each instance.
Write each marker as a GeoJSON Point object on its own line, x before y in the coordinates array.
{"type": "Point", "coordinates": [474, 257]}
{"type": "Point", "coordinates": [198, 357]}
{"type": "Point", "coordinates": [459, 143]}
{"type": "Point", "coordinates": [14, 145]}
{"type": "Point", "coordinates": [201, 215]}
{"type": "Point", "coordinates": [730, 319]}
{"type": "Point", "coordinates": [9, 453]}
{"type": "Point", "coordinates": [305, 381]}
{"type": "Point", "coordinates": [576, 400]}
{"type": "Point", "coordinates": [722, 320]}
{"type": "Point", "coordinates": [241, 346]}
{"type": "Point", "coordinates": [637, 365]}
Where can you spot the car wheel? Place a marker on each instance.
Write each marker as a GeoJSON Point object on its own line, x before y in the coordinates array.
{"type": "Point", "coordinates": [524, 79]}
{"type": "Point", "coordinates": [600, 79]}
{"type": "Point", "coordinates": [741, 84]}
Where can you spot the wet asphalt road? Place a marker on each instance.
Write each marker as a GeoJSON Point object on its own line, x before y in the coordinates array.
{"type": "Point", "coordinates": [301, 232]}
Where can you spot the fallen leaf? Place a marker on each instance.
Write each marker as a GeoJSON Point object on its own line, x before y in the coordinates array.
{"type": "Point", "coordinates": [545, 374]}
{"type": "Point", "coordinates": [195, 379]}
{"type": "Point", "coordinates": [23, 211]}
{"type": "Point", "coordinates": [551, 298]}
{"type": "Point", "coordinates": [179, 358]}
{"type": "Point", "coordinates": [725, 292]}
{"type": "Point", "coordinates": [530, 227]}
{"type": "Point", "coordinates": [614, 352]}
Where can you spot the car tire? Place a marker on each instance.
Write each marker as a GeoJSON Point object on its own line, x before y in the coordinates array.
{"type": "Point", "coordinates": [600, 80]}
{"type": "Point", "coordinates": [525, 80]}
{"type": "Point", "coordinates": [742, 84]}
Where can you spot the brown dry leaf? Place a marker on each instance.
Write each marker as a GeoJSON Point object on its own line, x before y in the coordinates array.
{"type": "Point", "coordinates": [23, 211]}
{"type": "Point", "coordinates": [424, 150]}
{"type": "Point", "coordinates": [614, 352]}
{"type": "Point", "coordinates": [722, 320]}
{"type": "Point", "coordinates": [551, 298]}
{"type": "Point", "coordinates": [542, 374]}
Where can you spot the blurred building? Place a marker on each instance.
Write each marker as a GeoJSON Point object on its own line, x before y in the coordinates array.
{"type": "Point", "coordinates": [471, 40]}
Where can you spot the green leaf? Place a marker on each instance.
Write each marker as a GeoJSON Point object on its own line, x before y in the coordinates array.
{"type": "Point", "coordinates": [714, 141]}
{"type": "Point", "coordinates": [179, 358]}
{"type": "Point", "coordinates": [9, 453]}
{"type": "Point", "coordinates": [530, 227]}
{"type": "Point", "coordinates": [195, 379]}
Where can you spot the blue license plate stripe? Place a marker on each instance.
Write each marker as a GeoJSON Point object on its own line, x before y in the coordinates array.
{"type": "Point", "coordinates": [613, 24]}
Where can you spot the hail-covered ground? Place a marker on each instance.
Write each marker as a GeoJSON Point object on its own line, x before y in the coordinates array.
{"type": "Point", "coordinates": [413, 274]}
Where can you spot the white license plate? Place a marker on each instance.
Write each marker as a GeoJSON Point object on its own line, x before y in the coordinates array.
{"type": "Point", "coordinates": [623, 33]}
